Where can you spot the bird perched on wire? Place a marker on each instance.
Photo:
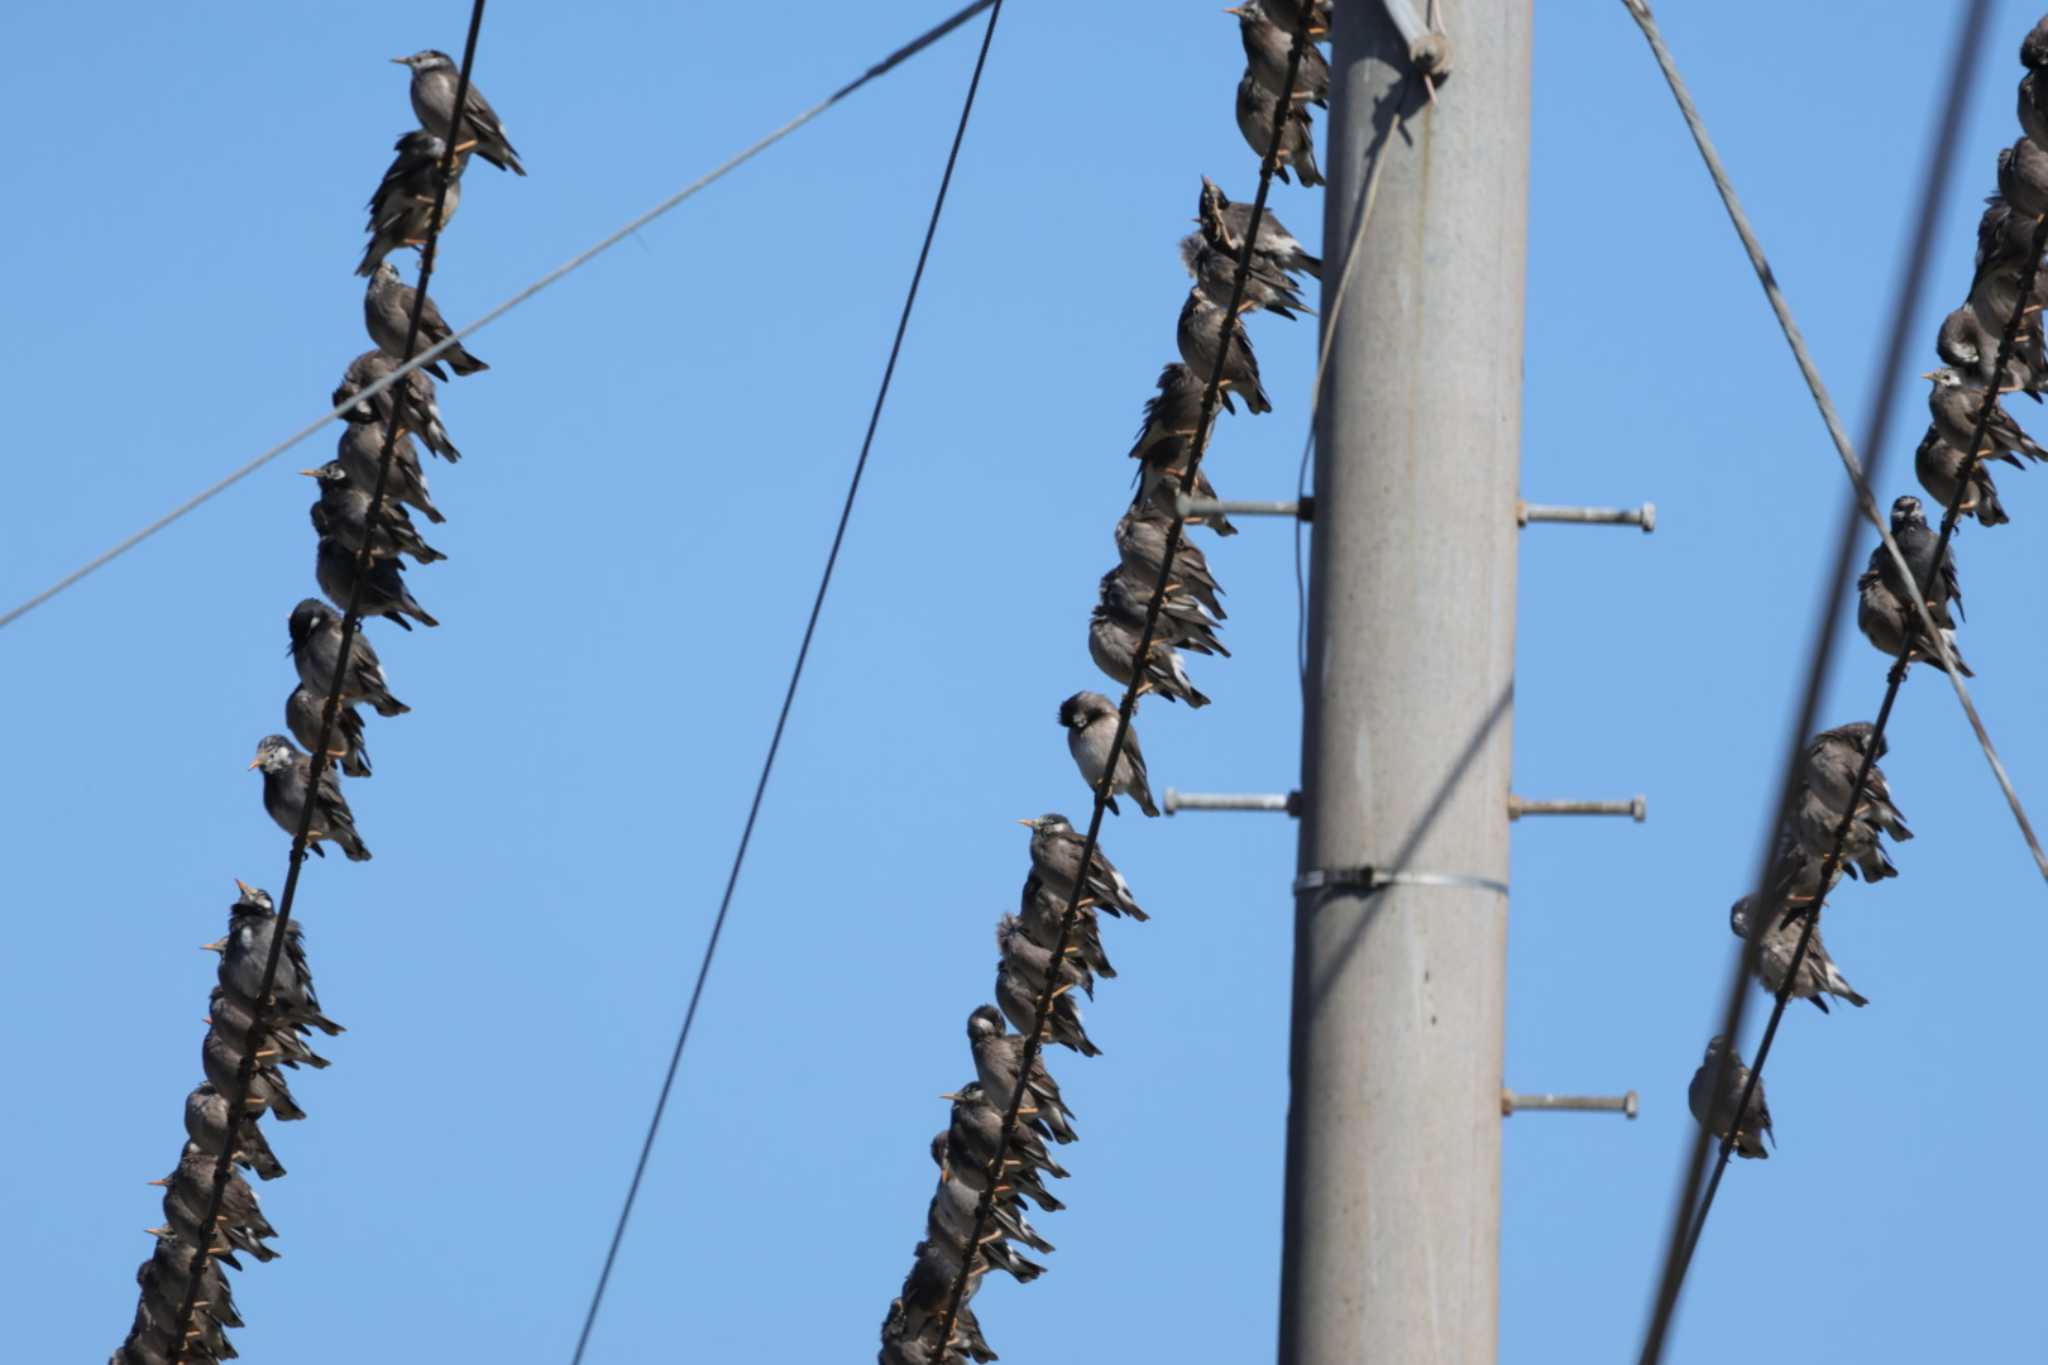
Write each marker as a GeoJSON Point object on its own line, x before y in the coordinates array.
{"type": "Point", "coordinates": [434, 79]}
{"type": "Point", "coordinates": [346, 505]}
{"type": "Point", "coordinates": [1039, 911]}
{"type": "Point", "coordinates": [1141, 548]}
{"type": "Point", "coordinates": [245, 952]}
{"type": "Point", "coordinates": [1215, 275]}
{"type": "Point", "coordinates": [950, 1219]}
{"type": "Point", "coordinates": [1224, 225]}
{"type": "Point", "coordinates": [1182, 622]}
{"type": "Point", "coordinates": [1006, 1210]}
{"type": "Point", "coordinates": [387, 313]}
{"type": "Point", "coordinates": [286, 1038]}
{"type": "Point", "coordinates": [288, 777]}
{"type": "Point", "coordinates": [998, 1065]}
{"type": "Point", "coordinates": [401, 208]}
{"type": "Point", "coordinates": [189, 1189]}
{"type": "Point", "coordinates": [1818, 974]}
{"type": "Point", "coordinates": [361, 450]}
{"type": "Point", "coordinates": [221, 1055]}
{"type": "Point", "coordinates": [1939, 467]}
{"type": "Point", "coordinates": [1795, 876]}
{"type": "Point", "coordinates": [1200, 335]}
{"type": "Point", "coordinates": [302, 712]}
{"type": "Point", "coordinates": [1113, 638]}
{"type": "Point", "coordinates": [1832, 761]}
{"type": "Point", "coordinates": [206, 1124]}
{"type": "Point", "coordinates": [1965, 346]}
{"type": "Point", "coordinates": [1714, 1107]}
{"type": "Point", "coordinates": [420, 413]}
{"type": "Point", "coordinates": [1020, 981]}
{"type": "Point", "coordinates": [2033, 101]}
{"type": "Point", "coordinates": [1297, 134]}
{"type": "Point", "coordinates": [1884, 611]}
{"type": "Point", "coordinates": [1955, 403]}
{"type": "Point", "coordinates": [377, 588]}
{"type": "Point", "coordinates": [1817, 822]}
{"type": "Point", "coordinates": [1165, 446]}
{"type": "Point", "coordinates": [1056, 861]}
{"type": "Point", "coordinates": [1090, 720]}
{"type": "Point", "coordinates": [971, 1141]}
{"type": "Point", "coordinates": [166, 1280]}
{"type": "Point", "coordinates": [316, 652]}
{"type": "Point", "coordinates": [1266, 49]}
{"type": "Point", "coordinates": [2023, 178]}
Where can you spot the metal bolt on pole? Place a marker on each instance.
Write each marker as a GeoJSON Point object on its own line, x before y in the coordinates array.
{"type": "Point", "coordinates": [1391, 1219]}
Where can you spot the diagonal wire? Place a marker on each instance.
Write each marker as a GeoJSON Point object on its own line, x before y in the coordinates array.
{"type": "Point", "coordinates": [317, 762]}
{"type": "Point", "coordinates": [574, 263]}
{"type": "Point", "coordinates": [1141, 656]}
{"type": "Point", "coordinates": [1686, 1228]}
{"type": "Point", "coordinates": [1368, 197]}
{"type": "Point", "coordinates": [796, 674]}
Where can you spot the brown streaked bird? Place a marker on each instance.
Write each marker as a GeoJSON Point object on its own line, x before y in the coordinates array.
{"type": "Point", "coordinates": [1715, 1108]}
{"type": "Point", "coordinates": [1266, 50]}
{"type": "Point", "coordinates": [1200, 336]}
{"type": "Point", "coordinates": [1297, 136]}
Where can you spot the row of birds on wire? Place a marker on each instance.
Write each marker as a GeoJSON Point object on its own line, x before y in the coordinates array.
{"type": "Point", "coordinates": [962, 1243]}
{"type": "Point", "coordinates": [221, 1114]}
{"type": "Point", "coordinates": [1953, 466]}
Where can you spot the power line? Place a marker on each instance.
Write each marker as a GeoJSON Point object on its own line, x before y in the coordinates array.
{"type": "Point", "coordinates": [1684, 1229]}
{"type": "Point", "coordinates": [317, 761]}
{"type": "Point", "coordinates": [1034, 1043]}
{"type": "Point", "coordinates": [739, 857]}
{"type": "Point", "coordinates": [574, 263]}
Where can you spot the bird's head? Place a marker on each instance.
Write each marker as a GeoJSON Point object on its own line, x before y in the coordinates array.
{"type": "Point", "coordinates": [985, 1022]}
{"type": "Point", "coordinates": [1906, 513]}
{"type": "Point", "coordinates": [1944, 378]}
{"type": "Point", "coordinates": [426, 59]}
{"type": "Point", "coordinates": [252, 897]}
{"type": "Point", "coordinates": [274, 754]}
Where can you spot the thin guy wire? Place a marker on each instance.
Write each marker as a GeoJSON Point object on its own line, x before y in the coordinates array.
{"type": "Point", "coordinates": [1896, 677]}
{"type": "Point", "coordinates": [1850, 465]}
{"type": "Point", "coordinates": [796, 674]}
{"type": "Point", "coordinates": [1941, 155]}
{"type": "Point", "coordinates": [317, 762]}
{"type": "Point", "coordinates": [574, 263]}
{"type": "Point", "coordinates": [1034, 1044]}
{"type": "Point", "coordinates": [1315, 395]}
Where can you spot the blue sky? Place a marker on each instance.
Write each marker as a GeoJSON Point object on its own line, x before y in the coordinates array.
{"type": "Point", "coordinates": [653, 465]}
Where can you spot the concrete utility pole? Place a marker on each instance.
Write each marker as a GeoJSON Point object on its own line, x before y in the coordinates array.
{"type": "Point", "coordinates": [1392, 1221]}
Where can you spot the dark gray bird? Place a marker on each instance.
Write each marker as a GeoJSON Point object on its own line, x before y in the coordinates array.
{"type": "Point", "coordinates": [401, 208]}
{"type": "Point", "coordinates": [245, 950]}
{"type": "Point", "coordinates": [316, 651]}
{"type": "Point", "coordinates": [1113, 638]}
{"type": "Point", "coordinates": [1917, 542]}
{"type": "Point", "coordinates": [1297, 138]}
{"type": "Point", "coordinates": [1215, 275]}
{"type": "Point", "coordinates": [377, 589]}
{"type": "Point", "coordinates": [287, 777]}
{"type": "Point", "coordinates": [284, 1037]}
{"type": "Point", "coordinates": [1884, 610]}
{"type": "Point", "coordinates": [206, 1124]}
{"type": "Point", "coordinates": [950, 1220]}
{"type": "Point", "coordinates": [1141, 546]}
{"type": "Point", "coordinates": [1266, 48]}
{"type": "Point", "coordinates": [419, 414]}
{"type": "Point", "coordinates": [1816, 823]}
{"type": "Point", "coordinates": [1832, 762]}
{"type": "Point", "coordinates": [1171, 416]}
{"type": "Point", "coordinates": [1703, 1095]}
{"type": "Point", "coordinates": [1160, 487]}
{"type": "Point", "coordinates": [2034, 47]}
{"type": "Point", "coordinates": [1056, 861]}
{"type": "Point", "coordinates": [1967, 348]}
{"type": "Point", "coordinates": [1224, 225]}
{"type": "Point", "coordinates": [1005, 1213]}
{"type": "Point", "coordinates": [171, 1261]}
{"type": "Point", "coordinates": [1039, 910]}
{"type": "Point", "coordinates": [1090, 720]}
{"type": "Point", "coordinates": [934, 1270]}
{"type": "Point", "coordinates": [2033, 107]}
{"type": "Point", "coordinates": [346, 507]}
{"type": "Point", "coordinates": [1033, 962]}
{"type": "Point", "coordinates": [302, 711]}
{"type": "Point", "coordinates": [2023, 178]}
{"type": "Point", "coordinates": [434, 78]}
{"type": "Point", "coordinates": [971, 1146]}
{"type": "Point", "coordinates": [1182, 622]}
{"type": "Point", "coordinates": [221, 1055]}
{"type": "Point", "coordinates": [387, 312]}
{"type": "Point", "coordinates": [1200, 336]}
{"type": "Point", "coordinates": [1818, 975]}
{"type": "Point", "coordinates": [998, 1059]}
{"type": "Point", "coordinates": [164, 1279]}
{"type": "Point", "coordinates": [189, 1189]}
{"type": "Point", "coordinates": [1795, 879]}
{"type": "Point", "coordinates": [1955, 403]}
{"type": "Point", "coordinates": [1939, 466]}
{"type": "Point", "coordinates": [1018, 1000]}
{"type": "Point", "coordinates": [360, 450]}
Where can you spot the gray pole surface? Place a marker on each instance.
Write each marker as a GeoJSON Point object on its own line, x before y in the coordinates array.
{"type": "Point", "coordinates": [1392, 1209]}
